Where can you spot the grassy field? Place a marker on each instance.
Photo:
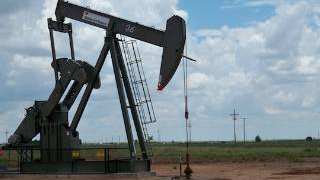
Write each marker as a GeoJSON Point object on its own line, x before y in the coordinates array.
{"type": "Point", "coordinates": [288, 150]}
{"type": "Point", "coordinates": [281, 150]}
{"type": "Point", "coordinates": [291, 150]}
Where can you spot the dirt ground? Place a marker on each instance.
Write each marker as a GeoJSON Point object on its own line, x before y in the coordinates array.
{"type": "Point", "coordinates": [248, 171]}
{"type": "Point", "coordinates": [229, 171]}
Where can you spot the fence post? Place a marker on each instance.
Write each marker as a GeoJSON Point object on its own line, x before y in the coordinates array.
{"type": "Point", "coordinates": [105, 160]}
{"type": "Point", "coordinates": [31, 155]}
{"type": "Point", "coordinates": [20, 160]}
{"type": "Point", "coordinates": [108, 160]}
{"type": "Point", "coordinates": [9, 155]}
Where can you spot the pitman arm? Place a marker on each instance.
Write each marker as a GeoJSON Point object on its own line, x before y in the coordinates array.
{"type": "Point", "coordinates": [172, 40]}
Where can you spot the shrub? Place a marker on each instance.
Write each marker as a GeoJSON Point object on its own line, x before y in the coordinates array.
{"type": "Point", "coordinates": [258, 139]}
{"type": "Point", "coordinates": [309, 138]}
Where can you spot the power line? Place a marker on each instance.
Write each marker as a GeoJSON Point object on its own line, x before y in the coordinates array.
{"type": "Point", "coordinates": [234, 115]}
{"type": "Point", "coordinates": [244, 129]}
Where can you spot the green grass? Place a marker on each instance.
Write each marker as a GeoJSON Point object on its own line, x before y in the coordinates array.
{"type": "Point", "coordinates": [291, 150]}
{"type": "Point", "coordinates": [287, 150]}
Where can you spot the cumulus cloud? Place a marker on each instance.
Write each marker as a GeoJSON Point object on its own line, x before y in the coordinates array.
{"type": "Point", "coordinates": [26, 56]}
{"type": "Point", "coordinates": [32, 63]}
{"type": "Point", "coordinates": [272, 110]}
{"type": "Point", "coordinates": [198, 80]}
{"type": "Point", "coordinates": [272, 64]}
{"type": "Point", "coordinates": [265, 69]}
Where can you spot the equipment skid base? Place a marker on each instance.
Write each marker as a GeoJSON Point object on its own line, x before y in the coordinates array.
{"type": "Point", "coordinates": [85, 167]}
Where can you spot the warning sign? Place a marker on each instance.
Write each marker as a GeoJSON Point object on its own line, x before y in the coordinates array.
{"type": "Point", "coordinates": [100, 153]}
{"type": "Point", "coordinates": [76, 154]}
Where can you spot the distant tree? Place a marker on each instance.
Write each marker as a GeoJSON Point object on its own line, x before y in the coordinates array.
{"type": "Point", "coordinates": [258, 139]}
{"type": "Point", "coordinates": [309, 138]}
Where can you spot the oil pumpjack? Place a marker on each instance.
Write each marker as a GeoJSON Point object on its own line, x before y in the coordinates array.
{"type": "Point", "coordinates": [49, 118]}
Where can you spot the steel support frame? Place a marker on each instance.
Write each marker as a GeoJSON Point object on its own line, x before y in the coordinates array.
{"type": "Point", "coordinates": [122, 98]}
{"type": "Point", "coordinates": [123, 86]}
{"type": "Point", "coordinates": [122, 80]}
{"type": "Point", "coordinates": [124, 92]}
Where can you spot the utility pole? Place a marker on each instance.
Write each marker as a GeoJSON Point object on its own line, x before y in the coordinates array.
{"type": "Point", "coordinates": [189, 126]}
{"type": "Point", "coordinates": [7, 133]}
{"type": "Point", "coordinates": [234, 115]}
{"type": "Point", "coordinates": [244, 129]}
{"type": "Point", "coordinates": [7, 141]}
{"type": "Point", "coordinates": [159, 137]}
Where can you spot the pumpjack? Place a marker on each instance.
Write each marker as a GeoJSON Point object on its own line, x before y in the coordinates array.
{"type": "Point", "coordinates": [49, 118]}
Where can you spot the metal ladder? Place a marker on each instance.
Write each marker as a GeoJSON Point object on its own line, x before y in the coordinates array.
{"type": "Point", "coordinates": [140, 88]}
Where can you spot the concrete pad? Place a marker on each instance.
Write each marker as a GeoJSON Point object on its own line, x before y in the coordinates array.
{"type": "Point", "coordinates": [116, 175]}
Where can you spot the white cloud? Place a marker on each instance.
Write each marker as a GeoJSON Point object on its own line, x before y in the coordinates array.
{"type": "Point", "coordinates": [284, 97]}
{"type": "Point", "coordinates": [32, 71]}
{"type": "Point", "coordinates": [261, 3]}
{"type": "Point", "coordinates": [198, 80]}
{"type": "Point", "coordinates": [257, 3]}
{"type": "Point", "coordinates": [41, 64]}
{"type": "Point", "coordinates": [308, 65]}
{"type": "Point", "coordinates": [266, 68]}
{"type": "Point", "coordinates": [103, 6]}
{"type": "Point", "coordinates": [29, 68]}
{"type": "Point", "coordinates": [309, 102]}
{"type": "Point", "coordinates": [272, 110]}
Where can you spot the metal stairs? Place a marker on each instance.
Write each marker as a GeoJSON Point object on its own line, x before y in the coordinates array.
{"type": "Point", "coordinates": [140, 88]}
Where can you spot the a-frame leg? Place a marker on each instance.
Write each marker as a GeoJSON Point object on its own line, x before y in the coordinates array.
{"type": "Point", "coordinates": [122, 97]}
{"type": "Point", "coordinates": [118, 59]}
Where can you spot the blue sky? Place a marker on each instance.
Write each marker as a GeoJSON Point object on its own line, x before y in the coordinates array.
{"type": "Point", "coordinates": [203, 14]}
{"type": "Point", "coordinates": [260, 57]}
